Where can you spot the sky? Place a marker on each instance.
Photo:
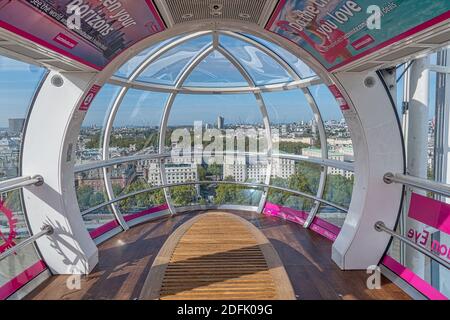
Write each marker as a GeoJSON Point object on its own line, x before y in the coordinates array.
{"type": "Point", "coordinates": [18, 82]}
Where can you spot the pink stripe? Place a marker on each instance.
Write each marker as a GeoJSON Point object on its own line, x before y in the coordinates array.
{"type": "Point", "coordinates": [410, 277]}
{"type": "Point", "coordinates": [155, 13]}
{"type": "Point", "coordinates": [398, 38]}
{"type": "Point", "coordinates": [318, 225]}
{"type": "Point", "coordinates": [43, 43]}
{"type": "Point", "coordinates": [276, 14]}
{"type": "Point", "coordinates": [146, 212]}
{"type": "Point", "coordinates": [103, 229]}
{"type": "Point", "coordinates": [431, 212]}
{"type": "Point", "coordinates": [22, 279]}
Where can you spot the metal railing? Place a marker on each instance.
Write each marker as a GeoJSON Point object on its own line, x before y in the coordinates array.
{"type": "Point", "coordinates": [45, 231]}
{"type": "Point", "coordinates": [381, 227]}
{"type": "Point", "coordinates": [20, 182]}
{"type": "Point", "coordinates": [348, 166]}
{"type": "Point", "coordinates": [415, 182]}
{"type": "Point", "coordinates": [242, 184]}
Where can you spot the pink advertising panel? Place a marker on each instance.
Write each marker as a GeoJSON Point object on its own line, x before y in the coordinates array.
{"type": "Point", "coordinates": [431, 213]}
{"type": "Point", "coordinates": [337, 32]}
{"type": "Point", "coordinates": [90, 98]}
{"type": "Point", "coordinates": [92, 32]}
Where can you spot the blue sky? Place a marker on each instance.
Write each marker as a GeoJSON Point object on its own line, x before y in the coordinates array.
{"type": "Point", "coordinates": [18, 82]}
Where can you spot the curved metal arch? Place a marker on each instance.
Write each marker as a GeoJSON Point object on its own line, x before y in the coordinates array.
{"type": "Point", "coordinates": [165, 117]}
{"type": "Point", "coordinates": [266, 121]}
{"type": "Point", "coordinates": [115, 107]}
{"type": "Point", "coordinates": [313, 105]}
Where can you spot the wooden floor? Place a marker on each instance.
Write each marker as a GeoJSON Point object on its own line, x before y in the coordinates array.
{"type": "Point", "coordinates": [217, 256]}
{"type": "Point", "coordinates": [125, 262]}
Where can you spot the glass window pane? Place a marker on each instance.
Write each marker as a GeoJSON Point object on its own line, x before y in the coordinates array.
{"type": "Point", "coordinates": [18, 84]}
{"type": "Point", "coordinates": [131, 65]}
{"type": "Point", "coordinates": [136, 126]}
{"type": "Point", "coordinates": [263, 69]}
{"type": "Point", "coordinates": [293, 121]}
{"type": "Point", "coordinates": [167, 69]}
{"type": "Point", "coordinates": [89, 146]}
{"type": "Point", "coordinates": [13, 230]}
{"type": "Point", "coordinates": [215, 71]}
{"type": "Point", "coordinates": [340, 145]}
{"type": "Point", "coordinates": [299, 66]}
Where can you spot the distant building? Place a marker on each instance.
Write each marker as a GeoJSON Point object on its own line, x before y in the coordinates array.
{"type": "Point", "coordinates": [344, 154]}
{"type": "Point", "coordinates": [16, 125]}
{"type": "Point", "coordinates": [243, 170]}
{"type": "Point", "coordinates": [220, 123]}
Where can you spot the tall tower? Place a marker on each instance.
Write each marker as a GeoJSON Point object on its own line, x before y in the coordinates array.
{"type": "Point", "coordinates": [220, 123]}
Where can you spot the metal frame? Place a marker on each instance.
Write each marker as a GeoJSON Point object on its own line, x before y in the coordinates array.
{"type": "Point", "coordinates": [381, 227]}
{"type": "Point", "coordinates": [178, 88]}
{"type": "Point", "coordinates": [115, 107]}
{"type": "Point", "coordinates": [424, 184]}
{"type": "Point", "coordinates": [263, 109]}
{"type": "Point", "coordinates": [348, 166]}
{"type": "Point", "coordinates": [165, 117]}
{"type": "Point", "coordinates": [20, 182]}
{"type": "Point", "coordinates": [242, 184]}
{"type": "Point", "coordinates": [314, 107]}
{"type": "Point", "coordinates": [46, 231]}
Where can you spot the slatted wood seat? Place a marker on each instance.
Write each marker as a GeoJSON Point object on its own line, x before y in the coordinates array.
{"type": "Point", "coordinates": [217, 256]}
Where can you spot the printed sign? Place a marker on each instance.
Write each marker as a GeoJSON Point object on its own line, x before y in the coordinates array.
{"type": "Point", "coordinates": [89, 98]}
{"type": "Point", "coordinates": [339, 98]}
{"type": "Point", "coordinates": [432, 213]}
{"type": "Point", "coordinates": [92, 32]}
{"type": "Point", "coordinates": [337, 32]}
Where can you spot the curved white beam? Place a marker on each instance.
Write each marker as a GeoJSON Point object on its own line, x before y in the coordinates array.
{"type": "Point", "coordinates": [165, 117]}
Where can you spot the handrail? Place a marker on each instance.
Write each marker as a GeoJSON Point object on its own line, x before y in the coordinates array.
{"type": "Point", "coordinates": [381, 227]}
{"type": "Point", "coordinates": [348, 166]}
{"type": "Point", "coordinates": [147, 86]}
{"type": "Point", "coordinates": [112, 162]}
{"type": "Point", "coordinates": [244, 184]}
{"type": "Point", "coordinates": [20, 182]}
{"type": "Point", "coordinates": [424, 184]}
{"type": "Point", "coordinates": [45, 230]}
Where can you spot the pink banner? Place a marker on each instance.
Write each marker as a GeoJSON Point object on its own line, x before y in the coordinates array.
{"type": "Point", "coordinates": [431, 212]}
{"type": "Point", "coordinates": [414, 280]}
{"type": "Point", "coordinates": [22, 279]}
{"type": "Point", "coordinates": [89, 31]}
{"type": "Point", "coordinates": [318, 225]}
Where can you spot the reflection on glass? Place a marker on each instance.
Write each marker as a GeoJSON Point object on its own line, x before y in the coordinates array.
{"type": "Point", "coordinates": [263, 69]}
{"type": "Point", "coordinates": [136, 126]}
{"type": "Point", "coordinates": [168, 68]}
{"type": "Point", "coordinates": [299, 66]}
{"type": "Point", "coordinates": [13, 230]}
{"type": "Point", "coordinates": [215, 71]}
{"type": "Point", "coordinates": [293, 121]}
{"type": "Point", "coordinates": [18, 84]}
{"type": "Point", "coordinates": [90, 144]}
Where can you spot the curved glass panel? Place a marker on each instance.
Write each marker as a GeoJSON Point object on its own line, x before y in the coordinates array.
{"type": "Point", "coordinates": [215, 71]}
{"type": "Point", "coordinates": [136, 126]}
{"type": "Point", "coordinates": [299, 66]}
{"type": "Point", "coordinates": [90, 144]}
{"type": "Point", "coordinates": [263, 69]}
{"type": "Point", "coordinates": [14, 230]}
{"type": "Point", "coordinates": [131, 65]}
{"type": "Point", "coordinates": [18, 84]}
{"type": "Point", "coordinates": [167, 69]}
{"type": "Point", "coordinates": [91, 192]}
{"type": "Point", "coordinates": [293, 121]}
{"type": "Point", "coordinates": [340, 146]}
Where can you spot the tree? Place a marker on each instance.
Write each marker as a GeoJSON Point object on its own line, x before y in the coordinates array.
{"type": "Point", "coordinates": [183, 195]}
